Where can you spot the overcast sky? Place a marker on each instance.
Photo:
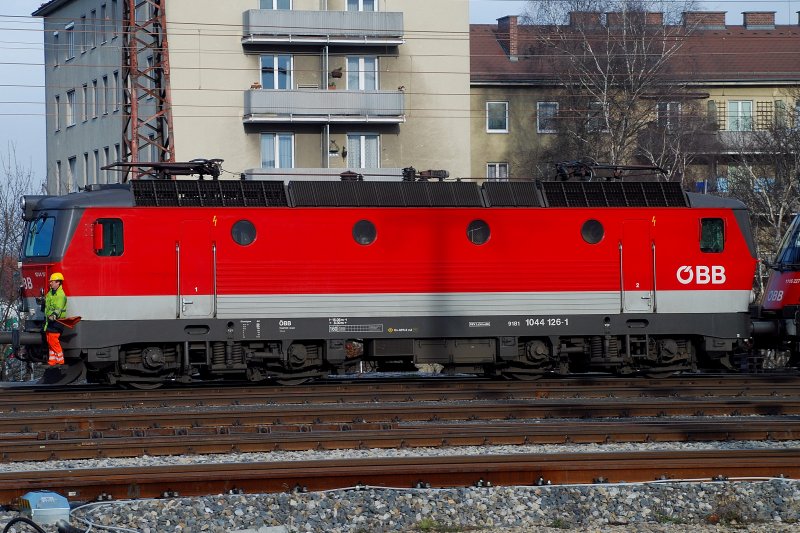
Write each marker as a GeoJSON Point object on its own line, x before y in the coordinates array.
{"type": "Point", "coordinates": [22, 73]}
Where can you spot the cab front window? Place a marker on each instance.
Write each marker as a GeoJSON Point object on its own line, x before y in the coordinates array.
{"type": "Point", "coordinates": [789, 250]}
{"type": "Point", "coordinates": [39, 237]}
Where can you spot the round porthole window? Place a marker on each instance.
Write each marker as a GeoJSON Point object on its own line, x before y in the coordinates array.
{"type": "Point", "coordinates": [243, 232]}
{"type": "Point", "coordinates": [592, 231]}
{"type": "Point", "coordinates": [478, 232]}
{"type": "Point", "coordinates": [364, 232]}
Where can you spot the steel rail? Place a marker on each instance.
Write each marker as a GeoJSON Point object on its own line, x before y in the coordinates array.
{"type": "Point", "coordinates": [162, 442]}
{"type": "Point", "coordinates": [26, 398]}
{"type": "Point", "coordinates": [440, 471]}
{"type": "Point", "coordinates": [254, 415]}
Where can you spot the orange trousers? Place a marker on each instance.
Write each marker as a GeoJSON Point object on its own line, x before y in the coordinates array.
{"type": "Point", "coordinates": [56, 355]}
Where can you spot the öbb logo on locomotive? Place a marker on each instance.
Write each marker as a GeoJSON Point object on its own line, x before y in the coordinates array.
{"type": "Point", "coordinates": [701, 274]}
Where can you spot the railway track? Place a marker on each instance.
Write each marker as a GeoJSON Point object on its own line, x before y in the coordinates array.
{"type": "Point", "coordinates": [79, 423]}
{"type": "Point", "coordinates": [452, 471]}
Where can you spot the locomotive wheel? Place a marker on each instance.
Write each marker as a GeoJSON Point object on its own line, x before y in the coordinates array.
{"type": "Point", "coordinates": [522, 376]}
{"type": "Point", "coordinates": [289, 381]}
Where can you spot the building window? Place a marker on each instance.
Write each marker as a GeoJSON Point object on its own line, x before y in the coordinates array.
{"type": "Point", "coordinates": [105, 95]}
{"type": "Point", "coordinates": [96, 176]}
{"type": "Point", "coordinates": [57, 113]}
{"type": "Point", "coordinates": [276, 4]}
{"type": "Point", "coordinates": [276, 72]}
{"type": "Point", "coordinates": [116, 155]}
{"type": "Point", "coordinates": [82, 34]}
{"type": "Point", "coordinates": [597, 119]}
{"type": "Point", "coordinates": [72, 162]}
{"type": "Point", "coordinates": [107, 161]}
{"type": "Point", "coordinates": [56, 49]}
{"type": "Point", "coordinates": [363, 150]}
{"type": "Point", "coordinates": [115, 23]}
{"type": "Point", "coordinates": [69, 30]}
{"type": "Point", "coordinates": [58, 177]}
{"type": "Point", "coordinates": [277, 150]}
{"type": "Point", "coordinates": [497, 171]}
{"type": "Point", "coordinates": [362, 5]}
{"type": "Point", "coordinates": [70, 108]}
{"type": "Point", "coordinates": [85, 170]}
{"type": "Point", "coordinates": [91, 34]}
{"type": "Point", "coordinates": [497, 117]}
{"type": "Point", "coordinates": [546, 113]}
{"type": "Point", "coordinates": [115, 91]}
{"type": "Point", "coordinates": [103, 23]}
{"type": "Point", "coordinates": [84, 103]}
{"type": "Point", "coordinates": [740, 115]}
{"type": "Point", "coordinates": [362, 73]}
{"type": "Point", "coordinates": [668, 114]}
{"type": "Point", "coordinates": [95, 100]}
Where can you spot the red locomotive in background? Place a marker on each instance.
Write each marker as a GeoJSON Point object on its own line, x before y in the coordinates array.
{"type": "Point", "coordinates": [178, 280]}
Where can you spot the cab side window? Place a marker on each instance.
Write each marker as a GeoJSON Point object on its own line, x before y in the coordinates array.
{"type": "Point", "coordinates": [712, 235]}
{"type": "Point", "coordinates": [112, 243]}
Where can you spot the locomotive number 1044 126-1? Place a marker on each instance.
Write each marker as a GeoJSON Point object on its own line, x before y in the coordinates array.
{"type": "Point", "coordinates": [540, 322]}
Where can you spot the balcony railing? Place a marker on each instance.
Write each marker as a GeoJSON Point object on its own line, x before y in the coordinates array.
{"type": "Point", "coordinates": [321, 106]}
{"type": "Point", "coordinates": [282, 26]}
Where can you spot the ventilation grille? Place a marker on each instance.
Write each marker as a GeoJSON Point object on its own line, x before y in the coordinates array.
{"type": "Point", "coordinates": [613, 194]}
{"type": "Point", "coordinates": [512, 194]}
{"type": "Point", "coordinates": [384, 194]}
{"type": "Point", "coordinates": [213, 193]}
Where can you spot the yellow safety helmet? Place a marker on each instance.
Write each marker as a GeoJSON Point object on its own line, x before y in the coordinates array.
{"type": "Point", "coordinates": [57, 276]}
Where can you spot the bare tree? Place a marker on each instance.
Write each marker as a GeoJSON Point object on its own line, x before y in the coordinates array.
{"type": "Point", "coordinates": [16, 180]}
{"type": "Point", "coordinates": [764, 173]}
{"type": "Point", "coordinates": [613, 62]}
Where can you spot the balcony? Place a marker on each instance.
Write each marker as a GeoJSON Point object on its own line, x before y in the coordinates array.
{"type": "Point", "coordinates": [285, 26]}
{"type": "Point", "coordinates": [315, 106]}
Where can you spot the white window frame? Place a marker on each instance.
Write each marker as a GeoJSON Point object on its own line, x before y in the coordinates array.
{"type": "Point", "coordinates": [72, 179]}
{"type": "Point", "coordinates": [504, 105]}
{"type": "Point", "coordinates": [69, 31]}
{"type": "Point", "coordinates": [738, 119]}
{"type": "Point", "coordinates": [276, 147]}
{"type": "Point", "coordinates": [114, 19]}
{"type": "Point", "coordinates": [96, 171]}
{"type": "Point", "coordinates": [541, 117]}
{"type": "Point", "coordinates": [82, 34]}
{"type": "Point", "coordinates": [276, 66]}
{"type": "Point", "coordinates": [105, 95]}
{"type": "Point", "coordinates": [497, 171]}
{"type": "Point", "coordinates": [361, 4]}
{"type": "Point", "coordinates": [115, 91]}
{"type": "Point", "coordinates": [361, 73]}
{"type": "Point", "coordinates": [106, 155]}
{"type": "Point", "coordinates": [85, 170]}
{"type": "Point", "coordinates": [70, 115]}
{"type": "Point", "coordinates": [362, 139]}
{"type": "Point", "coordinates": [58, 177]}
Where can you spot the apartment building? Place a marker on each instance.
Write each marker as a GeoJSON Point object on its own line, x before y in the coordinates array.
{"type": "Point", "coordinates": [744, 77]}
{"type": "Point", "coordinates": [275, 88]}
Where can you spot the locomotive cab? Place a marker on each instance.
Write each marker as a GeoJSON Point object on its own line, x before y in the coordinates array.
{"type": "Point", "coordinates": [777, 328]}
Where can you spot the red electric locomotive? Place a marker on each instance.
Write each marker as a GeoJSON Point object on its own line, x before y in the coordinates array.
{"type": "Point", "coordinates": [178, 280]}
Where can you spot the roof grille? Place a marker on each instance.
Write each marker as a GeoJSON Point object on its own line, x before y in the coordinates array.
{"type": "Point", "coordinates": [384, 194]}
{"type": "Point", "coordinates": [613, 194]}
{"type": "Point", "coordinates": [213, 193]}
{"type": "Point", "coordinates": [512, 194]}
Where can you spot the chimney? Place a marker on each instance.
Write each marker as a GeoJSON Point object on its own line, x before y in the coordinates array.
{"type": "Point", "coordinates": [507, 36]}
{"type": "Point", "coordinates": [616, 19]}
{"type": "Point", "coordinates": [759, 20]}
{"type": "Point", "coordinates": [705, 20]}
{"type": "Point", "coordinates": [584, 18]}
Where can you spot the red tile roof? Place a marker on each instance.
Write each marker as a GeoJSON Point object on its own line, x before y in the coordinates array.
{"type": "Point", "coordinates": [735, 54]}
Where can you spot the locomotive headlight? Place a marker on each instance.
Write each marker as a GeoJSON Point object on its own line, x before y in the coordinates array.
{"type": "Point", "coordinates": [22, 203]}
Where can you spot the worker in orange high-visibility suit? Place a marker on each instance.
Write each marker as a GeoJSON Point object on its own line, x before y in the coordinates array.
{"type": "Point", "coordinates": [55, 307]}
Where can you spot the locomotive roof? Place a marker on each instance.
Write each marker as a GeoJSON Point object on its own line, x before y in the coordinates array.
{"type": "Point", "coordinates": [241, 193]}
